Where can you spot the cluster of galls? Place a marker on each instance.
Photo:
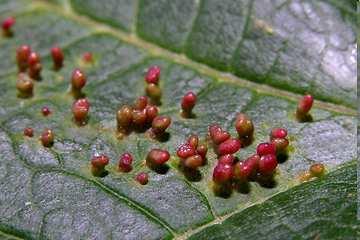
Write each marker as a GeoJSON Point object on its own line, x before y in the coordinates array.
{"type": "Point", "coordinates": [46, 137]}
{"type": "Point", "coordinates": [192, 154]}
{"type": "Point", "coordinates": [140, 117]}
{"type": "Point", "coordinates": [153, 91]}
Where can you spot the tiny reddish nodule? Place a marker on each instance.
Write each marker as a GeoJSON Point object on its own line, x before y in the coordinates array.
{"type": "Point", "coordinates": [78, 79]}
{"type": "Point", "coordinates": [185, 150]}
{"type": "Point", "coordinates": [33, 59]}
{"type": "Point", "coordinates": [58, 57]}
{"type": "Point", "coordinates": [280, 144]}
{"type": "Point", "coordinates": [45, 111]}
{"type": "Point", "coordinates": [7, 24]}
{"type": "Point", "coordinates": [125, 162]}
{"type": "Point", "coordinates": [158, 156]}
{"type": "Point", "coordinates": [188, 102]}
{"type": "Point", "coordinates": [142, 178]}
{"type": "Point", "coordinates": [265, 148]}
{"type": "Point", "coordinates": [29, 132]}
{"type": "Point", "coordinates": [226, 159]}
{"type": "Point", "coordinates": [87, 57]}
{"type": "Point", "coordinates": [47, 138]}
{"type": "Point", "coordinates": [154, 92]}
{"type": "Point", "coordinates": [193, 162]}
{"type": "Point", "coordinates": [202, 150]}
{"type": "Point", "coordinates": [160, 124]}
{"type": "Point", "coordinates": [217, 135]}
{"type": "Point", "coordinates": [317, 170]}
{"type": "Point", "coordinates": [244, 125]}
{"type": "Point", "coordinates": [22, 55]}
{"type": "Point", "coordinates": [151, 113]}
{"type": "Point", "coordinates": [267, 164]}
{"type": "Point", "coordinates": [222, 173]}
{"type": "Point", "coordinates": [141, 103]}
{"type": "Point", "coordinates": [243, 170]}
{"type": "Point", "coordinates": [98, 164]}
{"type": "Point", "coordinates": [139, 118]}
{"type": "Point", "coordinates": [229, 146]}
{"type": "Point", "coordinates": [305, 104]}
{"type": "Point", "coordinates": [153, 75]}
{"type": "Point", "coordinates": [193, 140]}
{"type": "Point", "coordinates": [25, 85]}
{"type": "Point", "coordinates": [278, 133]}
{"type": "Point", "coordinates": [124, 117]}
{"type": "Point", "coordinates": [80, 109]}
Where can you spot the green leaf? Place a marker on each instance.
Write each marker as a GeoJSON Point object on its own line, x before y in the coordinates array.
{"type": "Point", "coordinates": [50, 193]}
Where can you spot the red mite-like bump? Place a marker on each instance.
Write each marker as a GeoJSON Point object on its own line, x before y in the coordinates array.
{"type": "Point", "coordinates": [33, 59]}
{"type": "Point", "coordinates": [217, 135]}
{"type": "Point", "coordinates": [142, 178]}
{"type": "Point", "coordinates": [267, 164]}
{"type": "Point", "coordinates": [229, 146]}
{"type": "Point", "coordinates": [202, 150]}
{"type": "Point", "coordinates": [45, 111]}
{"type": "Point", "coordinates": [7, 25]}
{"type": "Point", "coordinates": [98, 164]}
{"type": "Point", "coordinates": [80, 109]}
{"type": "Point", "coordinates": [29, 132]}
{"type": "Point", "coordinates": [125, 162]}
{"type": "Point", "coordinates": [317, 170]}
{"type": "Point", "coordinates": [87, 57]}
{"type": "Point", "coordinates": [222, 173]}
{"type": "Point", "coordinates": [278, 133]}
{"type": "Point", "coordinates": [58, 57]}
{"type": "Point", "coordinates": [22, 56]}
{"type": "Point", "coordinates": [280, 144]}
{"type": "Point", "coordinates": [265, 148]}
{"type": "Point", "coordinates": [158, 156]}
{"type": "Point", "coordinates": [35, 66]}
{"type": "Point", "coordinates": [153, 75]}
{"type": "Point", "coordinates": [193, 162]}
{"type": "Point", "coordinates": [244, 170]}
{"type": "Point", "coordinates": [244, 125]}
{"type": "Point", "coordinates": [151, 113]}
{"type": "Point", "coordinates": [305, 105]}
{"type": "Point", "coordinates": [188, 102]}
{"type": "Point", "coordinates": [160, 124]}
{"type": "Point", "coordinates": [226, 159]}
{"type": "Point", "coordinates": [141, 103]}
{"type": "Point", "coordinates": [185, 150]}
{"type": "Point", "coordinates": [78, 80]}
{"type": "Point", "coordinates": [193, 141]}
{"type": "Point", "coordinates": [47, 138]}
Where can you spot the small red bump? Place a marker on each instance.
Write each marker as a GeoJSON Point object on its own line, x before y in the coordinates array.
{"type": "Point", "coordinates": [151, 113]}
{"type": "Point", "coordinates": [98, 164]}
{"type": "Point", "coordinates": [193, 162]}
{"type": "Point", "coordinates": [193, 140]}
{"type": "Point", "coordinates": [78, 79]}
{"type": "Point", "coordinates": [267, 164]}
{"type": "Point", "coordinates": [33, 59]}
{"type": "Point", "coordinates": [305, 104]}
{"type": "Point", "coordinates": [153, 75]}
{"type": "Point", "coordinates": [22, 56]}
{"type": "Point", "coordinates": [229, 146]}
{"type": "Point", "coordinates": [45, 111]}
{"type": "Point", "coordinates": [217, 134]}
{"type": "Point", "coordinates": [280, 144]}
{"type": "Point", "coordinates": [141, 103]}
{"type": "Point", "coordinates": [139, 118]}
{"type": "Point", "coordinates": [244, 170]}
{"type": "Point", "coordinates": [158, 156]}
{"type": "Point", "coordinates": [317, 170]}
{"type": "Point", "coordinates": [125, 162]}
{"type": "Point", "coordinates": [58, 57]}
{"type": "Point", "coordinates": [47, 138]}
{"type": "Point", "coordinates": [7, 25]}
{"type": "Point", "coordinates": [188, 102]}
{"type": "Point", "coordinates": [222, 173]}
{"type": "Point", "coordinates": [278, 133]}
{"type": "Point", "coordinates": [154, 92]}
{"type": "Point", "coordinates": [226, 159]}
{"type": "Point", "coordinates": [87, 57]}
{"type": "Point", "coordinates": [202, 150]}
{"type": "Point", "coordinates": [265, 148]}
{"type": "Point", "coordinates": [29, 132]}
{"type": "Point", "coordinates": [244, 125]}
{"type": "Point", "coordinates": [160, 124]}
{"type": "Point", "coordinates": [142, 178]}
{"type": "Point", "coordinates": [185, 150]}
{"type": "Point", "coordinates": [24, 85]}
{"type": "Point", "coordinates": [124, 117]}
{"type": "Point", "coordinates": [80, 109]}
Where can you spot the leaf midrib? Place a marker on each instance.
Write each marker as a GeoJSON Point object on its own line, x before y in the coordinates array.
{"type": "Point", "coordinates": [157, 51]}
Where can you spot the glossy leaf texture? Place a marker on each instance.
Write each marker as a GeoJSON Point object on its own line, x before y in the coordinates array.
{"type": "Point", "coordinates": [221, 50]}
